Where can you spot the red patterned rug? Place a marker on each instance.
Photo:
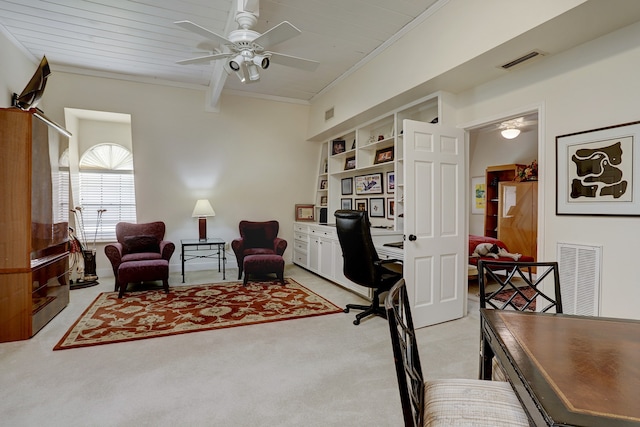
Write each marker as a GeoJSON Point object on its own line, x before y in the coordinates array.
{"type": "Point", "coordinates": [518, 300]}
{"type": "Point", "coordinates": [150, 314]}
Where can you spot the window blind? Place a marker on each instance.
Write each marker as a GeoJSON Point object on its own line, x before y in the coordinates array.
{"type": "Point", "coordinates": [113, 190]}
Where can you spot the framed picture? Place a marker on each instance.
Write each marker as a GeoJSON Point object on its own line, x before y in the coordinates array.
{"type": "Point", "coordinates": [323, 184]}
{"type": "Point", "coordinates": [338, 146]}
{"type": "Point", "coordinates": [478, 194]}
{"type": "Point", "coordinates": [376, 208]}
{"type": "Point", "coordinates": [369, 184]}
{"type": "Point", "coordinates": [347, 186]}
{"type": "Point", "coordinates": [305, 213]}
{"type": "Point", "coordinates": [346, 204]}
{"type": "Point", "coordinates": [383, 155]}
{"type": "Point", "coordinates": [362, 205]}
{"type": "Point", "coordinates": [598, 171]}
{"type": "Point", "coordinates": [391, 182]}
{"type": "Point", "coordinates": [391, 208]}
{"type": "Point", "coordinates": [350, 163]}
{"type": "Point", "coordinates": [323, 201]}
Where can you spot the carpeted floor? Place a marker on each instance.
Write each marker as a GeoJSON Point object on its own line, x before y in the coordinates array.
{"type": "Point", "coordinates": [153, 313]}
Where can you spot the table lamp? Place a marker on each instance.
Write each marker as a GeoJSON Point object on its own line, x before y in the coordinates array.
{"type": "Point", "coordinates": [202, 210]}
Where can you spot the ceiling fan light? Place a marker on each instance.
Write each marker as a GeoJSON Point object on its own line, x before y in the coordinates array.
{"type": "Point", "coordinates": [254, 74]}
{"type": "Point", "coordinates": [236, 63]}
{"type": "Point", "coordinates": [510, 133]}
{"type": "Point", "coordinates": [261, 61]}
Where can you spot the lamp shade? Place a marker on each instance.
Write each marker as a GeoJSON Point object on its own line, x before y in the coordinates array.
{"type": "Point", "coordinates": [510, 133]}
{"type": "Point", "coordinates": [203, 208]}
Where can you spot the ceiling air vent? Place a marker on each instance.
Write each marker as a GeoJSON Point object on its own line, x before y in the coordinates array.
{"type": "Point", "coordinates": [527, 57]}
{"type": "Point", "coordinates": [328, 114]}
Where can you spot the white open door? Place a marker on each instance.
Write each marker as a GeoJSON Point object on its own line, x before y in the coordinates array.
{"type": "Point", "coordinates": [434, 170]}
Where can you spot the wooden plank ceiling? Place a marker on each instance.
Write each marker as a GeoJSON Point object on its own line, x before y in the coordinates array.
{"type": "Point", "coordinates": [136, 39]}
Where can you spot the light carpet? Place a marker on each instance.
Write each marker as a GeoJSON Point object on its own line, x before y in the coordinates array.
{"type": "Point", "coordinates": [152, 313]}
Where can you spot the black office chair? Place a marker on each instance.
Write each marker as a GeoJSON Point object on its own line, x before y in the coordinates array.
{"type": "Point", "coordinates": [514, 288]}
{"type": "Point", "coordinates": [445, 402]}
{"type": "Point", "coordinates": [361, 262]}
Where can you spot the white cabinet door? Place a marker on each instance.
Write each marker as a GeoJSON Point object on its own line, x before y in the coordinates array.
{"type": "Point", "coordinates": [326, 257]}
{"type": "Point", "coordinates": [434, 222]}
{"type": "Point", "coordinates": [314, 254]}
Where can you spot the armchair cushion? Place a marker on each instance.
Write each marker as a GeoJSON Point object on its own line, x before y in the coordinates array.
{"type": "Point", "coordinates": [256, 238]}
{"type": "Point", "coordinates": [139, 244]}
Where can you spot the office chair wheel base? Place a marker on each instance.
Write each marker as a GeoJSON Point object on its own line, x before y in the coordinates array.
{"type": "Point", "coordinates": [346, 310]}
{"type": "Point", "coordinates": [356, 322]}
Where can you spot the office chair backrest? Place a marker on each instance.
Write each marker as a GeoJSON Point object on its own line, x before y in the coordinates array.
{"type": "Point", "coordinates": [405, 354]}
{"type": "Point", "coordinates": [517, 277]}
{"type": "Point", "coordinates": [358, 252]}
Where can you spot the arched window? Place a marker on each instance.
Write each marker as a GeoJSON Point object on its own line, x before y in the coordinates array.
{"type": "Point", "coordinates": [106, 182]}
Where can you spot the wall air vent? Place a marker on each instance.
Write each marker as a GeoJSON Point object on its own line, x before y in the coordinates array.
{"type": "Point", "coordinates": [527, 57]}
{"type": "Point", "coordinates": [579, 267]}
{"type": "Point", "coordinates": [328, 114]}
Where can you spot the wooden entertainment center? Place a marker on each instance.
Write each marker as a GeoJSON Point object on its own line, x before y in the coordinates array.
{"type": "Point", "coordinates": [34, 224]}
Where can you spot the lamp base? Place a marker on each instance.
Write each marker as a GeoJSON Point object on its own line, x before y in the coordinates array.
{"type": "Point", "coordinates": [202, 227]}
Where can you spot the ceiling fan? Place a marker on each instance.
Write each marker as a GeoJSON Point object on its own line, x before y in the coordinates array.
{"type": "Point", "coordinates": [245, 50]}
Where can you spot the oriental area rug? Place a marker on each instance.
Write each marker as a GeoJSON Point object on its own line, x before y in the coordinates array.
{"type": "Point", "coordinates": [517, 300]}
{"type": "Point", "coordinates": [152, 313]}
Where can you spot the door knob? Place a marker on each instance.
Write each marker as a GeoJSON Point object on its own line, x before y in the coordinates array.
{"type": "Point", "coordinates": [412, 237]}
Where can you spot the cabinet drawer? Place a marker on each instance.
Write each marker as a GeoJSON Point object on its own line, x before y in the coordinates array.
{"type": "Point", "coordinates": [300, 228]}
{"type": "Point", "coordinates": [300, 258]}
{"type": "Point", "coordinates": [301, 237]}
{"type": "Point", "coordinates": [300, 246]}
{"type": "Point", "coordinates": [49, 274]}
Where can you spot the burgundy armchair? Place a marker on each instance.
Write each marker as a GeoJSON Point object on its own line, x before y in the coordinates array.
{"type": "Point", "coordinates": [257, 238]}
{"type": "Point", "coordinates": [140, 248]}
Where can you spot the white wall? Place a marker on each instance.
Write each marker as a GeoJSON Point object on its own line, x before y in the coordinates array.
{"type": "Point", "coordinates": [15, 70]}
{"type": "Point", "coordinates": [456, 33]}
{"type": "Point", "coordinates": [591, 86]}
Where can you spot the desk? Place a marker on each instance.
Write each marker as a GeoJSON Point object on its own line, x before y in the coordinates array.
{"type": "Point", "coordinates": [566, 370]}
{"type": "Point", "coordinates": [190, 246]}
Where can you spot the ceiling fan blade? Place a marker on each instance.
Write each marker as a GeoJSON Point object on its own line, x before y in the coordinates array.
{"type": "Point", "coordinates": [293, 61]}
{"type": "Point", "coordinates": [203, 59]}
{"type": "Point", "coordinates": [195, 28]}
{"type": "Point", "coordinates": [281, 32]}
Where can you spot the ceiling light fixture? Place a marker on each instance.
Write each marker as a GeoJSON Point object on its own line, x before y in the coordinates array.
{"type": "Point", "coordinates": [510, 133]}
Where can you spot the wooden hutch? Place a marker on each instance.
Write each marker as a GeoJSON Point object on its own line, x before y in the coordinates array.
{"type": "Point", "coordinates": [34, 257]}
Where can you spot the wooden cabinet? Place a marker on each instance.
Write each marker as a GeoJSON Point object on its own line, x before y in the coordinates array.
{"type": "Point", "coordinates": [494, 176]}
{"type": "Point", "coordinates": [518, 216]}
{"type": "Point", "coordinates": [33, 226]}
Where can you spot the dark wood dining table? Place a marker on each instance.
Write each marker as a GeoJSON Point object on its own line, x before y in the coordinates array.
{"type": "Point", "coordinates": [567, 370]}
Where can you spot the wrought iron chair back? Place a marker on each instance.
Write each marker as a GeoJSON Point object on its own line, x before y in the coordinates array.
{"type": "Point", "coordinates": [516, 280]}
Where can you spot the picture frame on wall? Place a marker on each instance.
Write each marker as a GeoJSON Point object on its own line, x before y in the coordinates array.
{"type": "Point", "coordinates": [376, 207]}
{"type": "Point", "coordinates": [347, 186]}
{"type": "Point", "coordinates": [323, 201]}
{"type": "Point", "coordinates": [362, 205]}
{"type": "Point", "coordinates": [350, 163]}
{"type": "Point", "coordinates": [391, 182]}
{"type": "Point", "coordinates": [598, 171]}
{"type": "Point", "coordinates": [338, 146]}
{"type": "Point", "coordinates": [323, 184]}
{"type": "Point", "coordinates": [478, 195]}
{"type": "Point", "coordinates": [383, 155]}
{"type": "Point", "coordinates": [305, 212]}
{"type": "Point", "coordinates": [369, 184]}
{"type": "Point", "coordinates": [346, 204]}
{"type": "Point", "coordinates": [391, 208]}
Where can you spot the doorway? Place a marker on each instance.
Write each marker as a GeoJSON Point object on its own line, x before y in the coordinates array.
{"type": "Point", "coordinates": [486, 148]}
